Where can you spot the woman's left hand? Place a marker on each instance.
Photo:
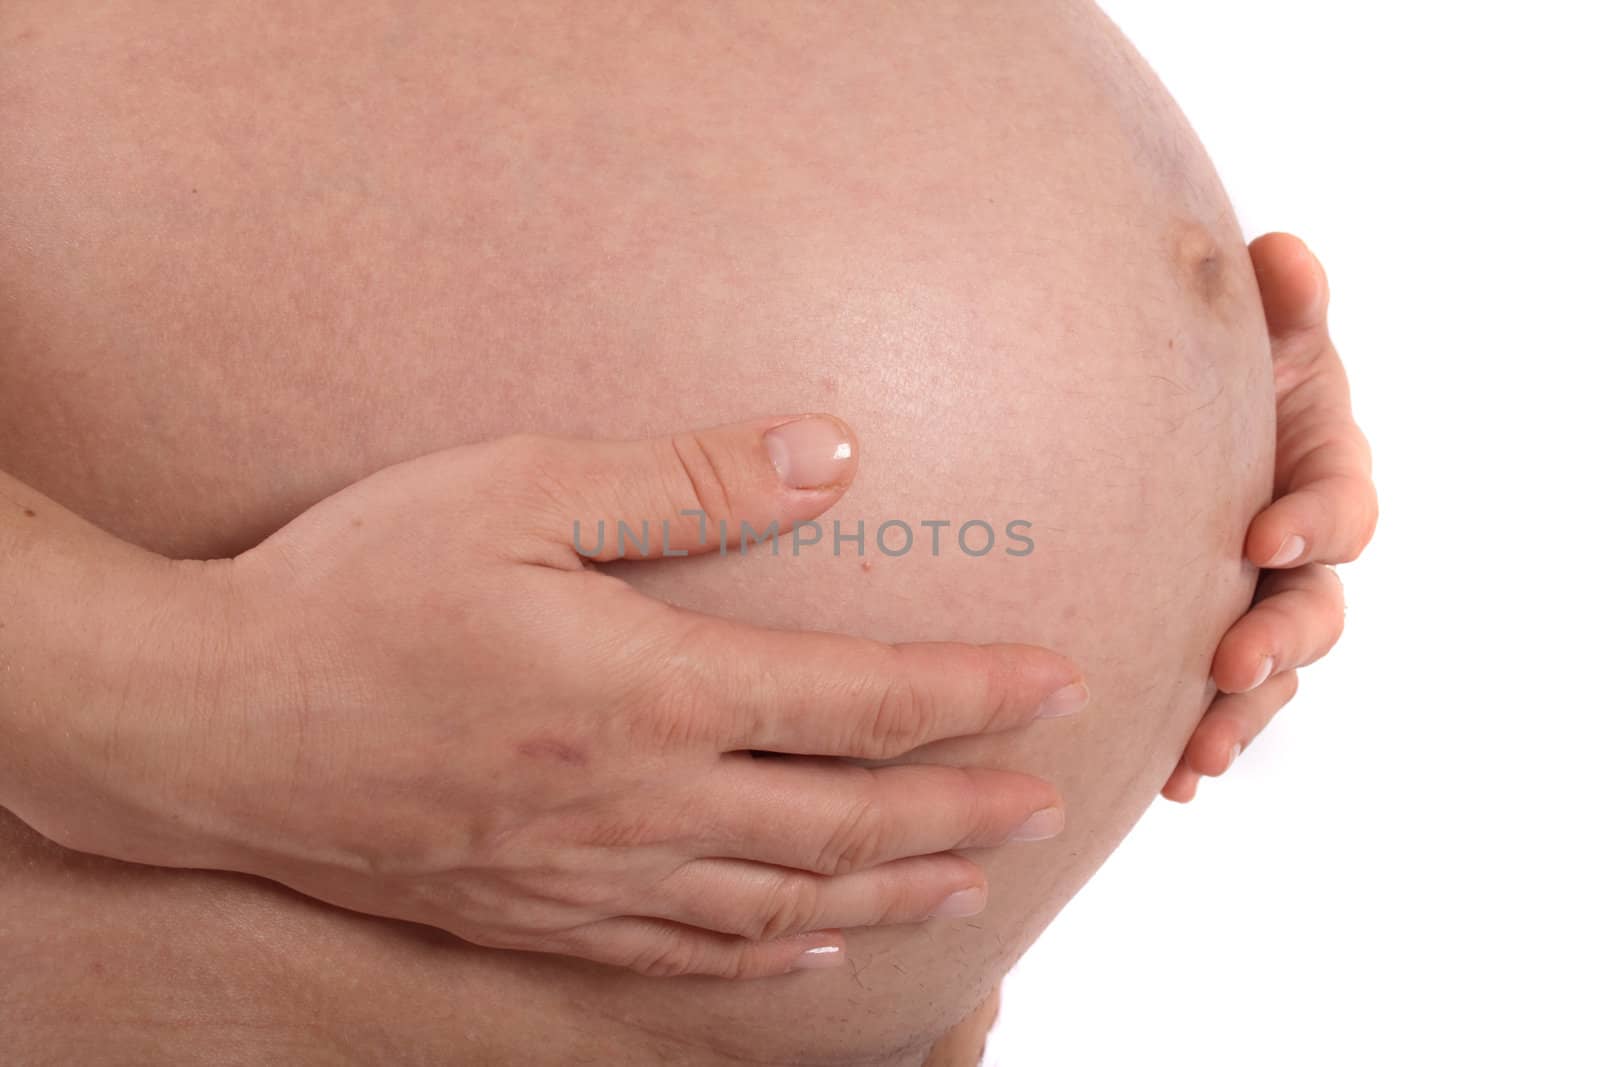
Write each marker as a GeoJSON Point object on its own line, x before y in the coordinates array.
{"type": "Point", "coordinates": [1323, 512]}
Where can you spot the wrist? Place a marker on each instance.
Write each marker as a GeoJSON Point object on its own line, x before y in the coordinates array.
{"type": "Point", "coordinates": [123, 650]}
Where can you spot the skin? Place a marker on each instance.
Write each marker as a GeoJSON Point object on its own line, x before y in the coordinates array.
{"type": "Point", "coordinates": [605, 805]}
{"type": "Point", "coordinates": [869, 316]}
{"type": "Point", "coordinates": [1324, 511]}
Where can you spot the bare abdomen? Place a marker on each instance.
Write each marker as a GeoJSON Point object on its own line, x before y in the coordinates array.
{"type": "Point", "coordinates": [248, 256]}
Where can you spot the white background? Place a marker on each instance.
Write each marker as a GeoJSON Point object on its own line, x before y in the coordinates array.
{"type": "Point", "coordinates": [1403, 869]}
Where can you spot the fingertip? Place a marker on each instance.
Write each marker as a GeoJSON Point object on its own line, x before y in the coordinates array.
{"type": "Point", "coordinates": [1068, 700]}
{"type": "Point", "coordinates": [1220, 757]}
{"type": "Point", "coordinates": [1287, 532]}
{"type": "Point", "coordinates": [962, 872]}
{"type": "Point", "coordinates": [1262, 672]}
{"type": "Point", "coordinates": [823, 954]}
{"type": "Point", "coordinates": [1042, 825]}
{"type": "Point", "coordinates": [1248, 672]}
{"type": "Point", "coordinates": [1293, 284]}
{"type": "Point", "coordinates": [815, 453]}
{"type": "Point", "coordinates": [1242, 663]}
{"type": "Point", "coordinates": [1032, 672]}
{"type": "Point", "coordinates": [1266, 534]}
{"type": "Point", "coordinates": [962, 904]}
{"type": "Point", "coordinates": [1279, 249]}
{"type": "Point", "coordinates": [1289, 552]}
{"type": "Point", "coordinates": [1182, 786]}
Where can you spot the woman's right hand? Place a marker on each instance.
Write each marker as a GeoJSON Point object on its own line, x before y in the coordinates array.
{"type": "Point", "coordinates": [419, 702]}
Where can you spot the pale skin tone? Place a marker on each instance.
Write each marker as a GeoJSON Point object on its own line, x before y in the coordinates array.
{"type": "Point", "coordinates": [657, 843]}
{"type": "Point", "coordinates": [1324, 513]}
{"type": "Point", "coordinates": [892, 289]}
{"type": "Point", "coordinates": [502, 884]}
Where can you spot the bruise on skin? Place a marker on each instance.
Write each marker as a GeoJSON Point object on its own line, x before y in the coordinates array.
{"type": "Point", "coordinates": [548, 749]}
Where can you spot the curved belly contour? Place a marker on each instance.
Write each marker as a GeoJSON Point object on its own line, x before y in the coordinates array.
{"type": "Point", "coordinates": [250, 255]}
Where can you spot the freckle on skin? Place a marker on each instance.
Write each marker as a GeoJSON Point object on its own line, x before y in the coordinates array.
{"type": "Point", "coordinates": [29, 513]}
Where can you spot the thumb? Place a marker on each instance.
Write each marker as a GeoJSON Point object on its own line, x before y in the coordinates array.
{"type": "Point", "coordinates": [1294, 287]}
{"type": "Point", "coordinates": [691, 492]}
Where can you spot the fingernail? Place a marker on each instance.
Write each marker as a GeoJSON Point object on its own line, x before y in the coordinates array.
{"type": "Point", "coordinates": [810, 453]}
{"type": "Point", "coordinates": [813, 959]}
{"type": "Point", "coordinates": [1289, 551]}
{"type": "Point", "coordinates": [1263, 672]}
{"type": "Point", "coordinates": [960, 904]}
{"type": "Point", "coordinates": [1064, 701]}
{"type": "Point", "coordinates": [1041, 825]}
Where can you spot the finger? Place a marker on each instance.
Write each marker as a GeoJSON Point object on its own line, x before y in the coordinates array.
{"type": "Point", "coordinates": [664, 949]}
{"type": "Point", "coordinates": [689, 493]}
{"type": "Point", "coordinates": [1328, 507]}
{"type": "Point", "coordinates": [833, 818]}
{"type": "Point", "coordinates": [764, 903]}
{"type": "Point", "coordinates": [1294, 287]}
{"type": "Point", "coordinates": [1328, 514]}
{"type": "Point", "coordinates": [1298, 619]}
{"type": "Point", "coordinates": [830, 695]}
{"type": "Point", "coordinates": [1182, 784]}
{"type": "Point", "coordinates": [1232, 722]}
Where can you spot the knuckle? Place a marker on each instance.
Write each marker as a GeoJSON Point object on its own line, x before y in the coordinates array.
{"type": "Point", "coordinates": [687, 673]}
{"type": "Point", "coordinates": [998, 675]}
{"type": "Point", "coordinates": [983, 812]}
{"type": "Point", "coordinates": [857, 841]}
{"type": "Point", "coordinates": [889, 904]}
{"type": "Point", "coordinates": [790, 909]}
{"type": "Point", "coordinates": [692, 460]}
{"type": "Point", "coordinates": [524, 465]}
{"type": "Point", "coordinates": [668, 958]}
{"type": "Point", "coordinates": [533, 491]}
{"type": "Point", "coordinates": [898, 721]}
{"type": "Point", "coordinates": [743, 963]}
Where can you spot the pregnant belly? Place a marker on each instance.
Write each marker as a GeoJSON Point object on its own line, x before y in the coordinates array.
{"type": "Point", "coordinates": [248, 256]}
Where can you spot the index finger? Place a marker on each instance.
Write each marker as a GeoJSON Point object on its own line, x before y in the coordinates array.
{"type": "Point", "coordinates": [829, 695]}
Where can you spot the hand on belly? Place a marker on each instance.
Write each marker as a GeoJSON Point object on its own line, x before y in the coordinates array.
{"type": "Point", "coordinates": [420, 703]}
{"type": "Point", "coordinates": [1026, 292]}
